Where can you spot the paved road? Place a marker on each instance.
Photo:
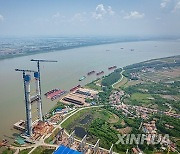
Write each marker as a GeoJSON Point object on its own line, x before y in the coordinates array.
{"type": "Point", "coordinates": [42, 139]}
{"type": "Point", "coordinates": [122, 76]}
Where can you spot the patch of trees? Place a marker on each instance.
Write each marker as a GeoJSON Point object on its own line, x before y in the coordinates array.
{"type": "Point", "coordinates": [102, 130]}
{"type": "Point", "coordinates": [163, 119]}
{"type": "Point", "coordinates": [112, 78]}
{"type": "Point", "coordinates": [104, 95]}
{"type": "Point", "coordinates": [153, 88]}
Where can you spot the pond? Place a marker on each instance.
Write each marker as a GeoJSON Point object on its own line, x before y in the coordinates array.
{"type": "Point", "coordinates": [86, 119]}
{"type": "Point", "coordinates": [80, 132]}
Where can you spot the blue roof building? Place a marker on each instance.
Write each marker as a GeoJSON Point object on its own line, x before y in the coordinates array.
{"type": "Point", "coordinates": [65, 150]}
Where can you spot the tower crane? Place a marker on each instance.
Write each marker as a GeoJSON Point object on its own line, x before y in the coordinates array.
{"type": "Point", "coordinates": [38, 85]}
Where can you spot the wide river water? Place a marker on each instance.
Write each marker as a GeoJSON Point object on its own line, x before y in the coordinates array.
{"type": "Point", "coordinates": [72, 64]}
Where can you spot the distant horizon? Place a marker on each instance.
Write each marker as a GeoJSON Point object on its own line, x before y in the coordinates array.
{"type": "Point", "coordinates": [92, 36]}
{"type": "Point", "coordinates": [87, 18]}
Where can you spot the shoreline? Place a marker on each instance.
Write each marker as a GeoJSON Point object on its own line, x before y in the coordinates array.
{"type": "Point", "coordinates": [76, 47]}
{"type": "Point", "coordinates": [81, 108]}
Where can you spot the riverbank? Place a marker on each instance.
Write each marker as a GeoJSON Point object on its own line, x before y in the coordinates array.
{"type": "Point", "coordinates": [66, 73]}
{"type": "Point", "coordinates": [27, 52]}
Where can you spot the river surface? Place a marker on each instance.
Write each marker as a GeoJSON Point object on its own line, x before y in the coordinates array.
{"type": "Point", "coordinates": [72, 64]}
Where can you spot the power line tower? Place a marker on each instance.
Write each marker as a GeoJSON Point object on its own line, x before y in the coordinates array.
{"type": "Point", "coordinates": [38, 86]}
{"type": "Point", "coordinates": [27, 79]}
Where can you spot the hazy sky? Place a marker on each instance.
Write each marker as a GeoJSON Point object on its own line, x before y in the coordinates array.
{"type": "Point", "coordinates": [89, 17]}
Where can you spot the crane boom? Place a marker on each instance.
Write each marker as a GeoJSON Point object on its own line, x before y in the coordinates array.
{"type": "Point", "coordinates": [42, 60]}
{"type": "Point", "coordinates": [20, 70]}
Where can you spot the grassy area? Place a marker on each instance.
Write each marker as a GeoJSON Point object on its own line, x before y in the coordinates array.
{"type": "Point", "coordinates": [51, 137]}
{"type": "Point", "coordinates": [140, 97]}
{"type": "Point", "coordinates": [73, 118]}
{"type": "Point", "coordinates": [43, 150]}
{"type": "Point", "coordinates": [93, 85]}
{"type": "Point", "coordinates": [92, 114]}
{"type": "Point", "coordinates": [25, 151]}
{"type": "Point", "coordinates": [112, 78]}
{"type": "Point", "coordinates": [121, 83]}
{"type": "Point", "coordinates": [8, 151]}
{"type": "Point", "coordinates": [113, 118]}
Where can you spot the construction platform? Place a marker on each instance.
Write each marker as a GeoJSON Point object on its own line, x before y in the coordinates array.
{"type": "Point", "coordinates": [79, 96]}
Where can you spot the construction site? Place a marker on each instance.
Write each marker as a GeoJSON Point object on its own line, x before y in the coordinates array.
{"type": "Point", "coordinates": [32, 131]}
{"type": "Point", "coordinates": [80, 146]}
{"type": "Point", "coordinates": [39, 130]}
{"type": "Point", "coordinates": [78, 97]}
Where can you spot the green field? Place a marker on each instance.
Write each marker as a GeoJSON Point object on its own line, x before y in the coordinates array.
{"type": "Point", "coordinates": [25, 151]}
{"type": "Point", "coordinates": [93, 85]}
{"type": "Point", "coordinates": [140, 97]}
{"type": "Point", "coordinates": [43, 150]}
{"type": "Point", "coordinates": [121, 83]}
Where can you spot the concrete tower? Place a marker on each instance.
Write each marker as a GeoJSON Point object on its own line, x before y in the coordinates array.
{"type": "Point", "coordinates": [27, 79]}
{"type": "Point", "coordinates": [39, 102]}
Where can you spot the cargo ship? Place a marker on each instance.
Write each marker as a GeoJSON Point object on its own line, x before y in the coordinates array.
{"type": "Point", "coordinates": [99, 73]}
{"type": "Point", "coordinates": [82, 78]}
{"type": "Point", "coordinates": [74, 88]}
{"type": "Point", "coordinates": [54, 94]}
{"type": "Point", "coordinates": [58, 95]}
{"type": "Point", "coordinates": [112, 67]}
{"type": "Point", "coordinates": [51, 91]}
{"type": "Point", "coordinates": [92, 72]}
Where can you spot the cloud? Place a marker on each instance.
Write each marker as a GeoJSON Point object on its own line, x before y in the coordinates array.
{"type": "Point", "coordinates": [177, 6]}
{"type": "Point", "coordinates": [110, 11]}
{"type": "Point", "coordinates": [164, 3]}
{"type": "Point", "coordinates": [80, 17]}
{"type": "Point", "coordinates": [1, 18]}
{"type": "Point", "coordinates": [134, 15]}
{"type": "Point", "coordinates": [57, 15]}
{"type": "Point", "coordinates": [101, 12]}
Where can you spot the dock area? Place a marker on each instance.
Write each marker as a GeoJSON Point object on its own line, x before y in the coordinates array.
{"type": "Point", "coordinates": [79, 96]}
{"type": "Point", "coordinates": [20, 125]}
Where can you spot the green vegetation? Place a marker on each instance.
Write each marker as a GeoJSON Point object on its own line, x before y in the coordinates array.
{"type": "Point", "coordinates": [92, 113]}
{"type": "Point", "coordinates": [112, 78]}
{"type": "Point", "coordinates": [58, 105]}
{"type": "Point", "coordinates": [144, 98]}
{"type": "Point", "coordinates": [163, 119]}
{"type": "Point", "coordinates": [8, 151]}
{"type": "Point", "coordinates": [93, 85]}
{"type": "Point", "coordinates": [51, 137]}
{"type": "Point", "coordinates": [104, 95]}
{"type": "Point", "coordinates": [25, 151]}
{"type": "Point", "coordinates": [121, 83]}
{"type": "Point", "coordinates": [102, 130]}
{"type": "Point", "coordinates": [150, 95]}
{"type": "Point", "coordinates": [43, 150]}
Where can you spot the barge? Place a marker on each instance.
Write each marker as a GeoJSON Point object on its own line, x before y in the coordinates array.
{"type": "Point", "coordinates": [112, 67]}
{"type": "Point", "coordinates": [99, 73]}
{"type": "Point", "coordinates": [74, 88]}
{"type": "Point", "coordinates": [54, 94]}
{"type": "Point", "coordinates": [92, 72]}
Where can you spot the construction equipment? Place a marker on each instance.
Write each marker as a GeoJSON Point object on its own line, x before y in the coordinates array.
{"type": "Point", "coordinates": [38, 86]}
